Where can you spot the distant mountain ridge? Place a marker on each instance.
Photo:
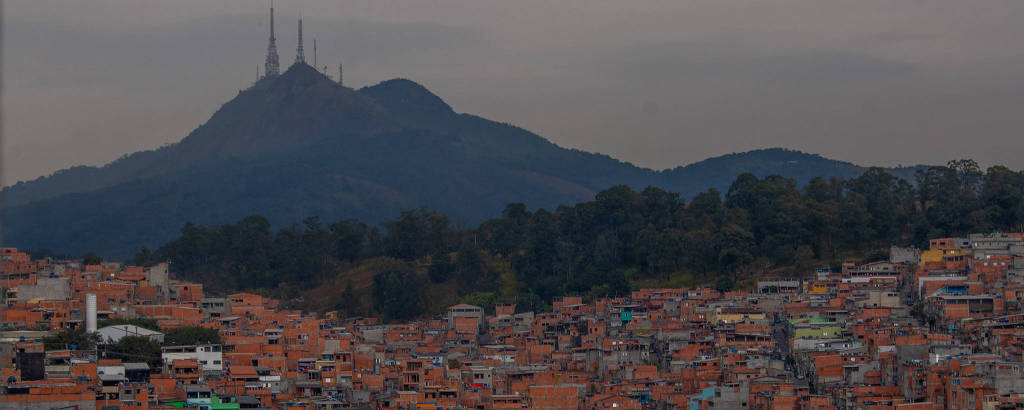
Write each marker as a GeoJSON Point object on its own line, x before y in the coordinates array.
{"type": "Point", "coordinates": [301, 145]}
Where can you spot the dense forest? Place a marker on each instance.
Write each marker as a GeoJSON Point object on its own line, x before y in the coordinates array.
{"type": "Point", "coordinates": [419, 262]}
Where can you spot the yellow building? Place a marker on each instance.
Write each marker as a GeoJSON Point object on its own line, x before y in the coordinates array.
{"type": "Point", "coordinates": [937, 255]}
{"type": "Point", "coordinates": [817, 288]}
{"type": "Point", "coordinates": [932, 255]}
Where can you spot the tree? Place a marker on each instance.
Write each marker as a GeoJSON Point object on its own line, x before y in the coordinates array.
{"type": "Point", "coordinates": [706, 210]}
{"type": "Point", "coordinates": [71, 338]}
{"type": "Point", "coordinates": [441, 268]}
{"type": "Point", "coordinates": [417, 233]}
{"type": "Point", "coordinates": [734, 244]}
{"type": "Point", "coordinates": [1003, 197]}
{"type": "Point", "coordinates": [135, 349]}
{"type": "Point", "coordinates": [349, 304]}
{"type": "Point", "coordinates": [947, 197]}
{"type": "Point", "coordinates": [91, 259]}
{"type": "Point", "coordinates": [527, 301]}
{"type": "Point", "coordinates": [821, 218]}
{"type": "Point", "coordinates": [804, 260]}
{"type": "Point", "coordinates": [854, 222]}
{"type": "Point", "coordinates": [506, 234]}
{"type": "Point", "coordinates": [604, 246]}
{"type": "Point", "coordinates": [470, 270]}
{"type": "Point", "coordinates": [724, 284]}
{"type": "Point", "coordinates": [143, 258]}
{"type": "Point", "coordinates": [886, 202]}
{"type": "Point", "coordinates": [191, 335]}
{"type": "Point", "coordinates": [397, 294]}
{"type": "Point", "coordinates": [820, 191]}
{"type": "Point", "coordinates": [349, 237]}
{"type": "Point", "coordinates": [968, 172]}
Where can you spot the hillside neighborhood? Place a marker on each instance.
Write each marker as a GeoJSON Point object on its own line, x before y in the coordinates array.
{"type": "Point", "coordinates": [458, 204]}
{"type": "Point", "coordinates": [940, 328]}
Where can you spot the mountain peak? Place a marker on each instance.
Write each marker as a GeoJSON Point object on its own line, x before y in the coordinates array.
{"type": "Point", "coordinates": [295, 109]}
{"type": "Point", "coordinates": [403, 95]}
{"type": "Point", "coordinates": [299, 75]}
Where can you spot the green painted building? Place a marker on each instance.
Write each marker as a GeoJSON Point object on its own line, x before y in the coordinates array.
{"type": "Point", "coordinates": [204, 402]}
{"type": "Point", "coordinates": [823, 332]}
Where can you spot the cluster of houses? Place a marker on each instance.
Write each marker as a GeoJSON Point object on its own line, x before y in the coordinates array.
{"type": "Point", "coordinates": [940, 328]}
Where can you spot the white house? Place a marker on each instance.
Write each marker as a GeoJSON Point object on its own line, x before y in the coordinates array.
{"type": "Point", "coordinates": [210, 357]}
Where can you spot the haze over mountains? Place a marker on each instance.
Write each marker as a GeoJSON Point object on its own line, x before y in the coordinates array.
{"type": "Point", "coordinates": [301, 145]}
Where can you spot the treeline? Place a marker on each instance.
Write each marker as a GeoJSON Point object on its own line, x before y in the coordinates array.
{"type": "Point", "coordinates": [620, 240]}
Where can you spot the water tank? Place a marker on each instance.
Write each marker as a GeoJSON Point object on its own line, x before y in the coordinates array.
{"type": "Point", "coordinates": [90, 313]}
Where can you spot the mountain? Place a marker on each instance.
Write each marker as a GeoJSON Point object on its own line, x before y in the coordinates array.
{"type": "Point", "coordinates": [301, 145]}
{"type": "Point", "coordinates": [721, 171]}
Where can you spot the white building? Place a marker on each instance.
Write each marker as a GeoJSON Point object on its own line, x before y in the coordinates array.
{"type": "Point", "coordinates": [111, 334]}
{"type": "Point", "coordinates": [209, 357]}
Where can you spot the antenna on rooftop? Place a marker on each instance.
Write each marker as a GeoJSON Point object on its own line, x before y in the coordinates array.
{"type": "Point", "coordinates": [340, 72]}
{"type": "Point", "coordinates": [314, 52]}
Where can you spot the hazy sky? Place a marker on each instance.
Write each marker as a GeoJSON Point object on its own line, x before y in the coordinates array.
{"type": "Point", "coordinates": [658, 83]}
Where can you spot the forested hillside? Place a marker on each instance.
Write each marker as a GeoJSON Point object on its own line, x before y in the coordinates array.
{"type": "Point", "coordinates": [300, 145]}
{"type": "Point", "coordinates": [419, 262]}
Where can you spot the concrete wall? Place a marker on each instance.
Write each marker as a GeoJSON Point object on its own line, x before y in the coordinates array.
{"type": "Point", "coordinates": [880, 298]}
{"type": "Point", "coordinates": [731, 397]}
{"type": "Point", "coordinates": [1007, 380]}
{"type": "Point", "coordinates": [47, 288]}
{"type": "Point", "coordinates": [215, 307]}
{"type": "Point", "coordinates": [909, 353]}
{"type": "Point", "coordinates": [778, 286]}
{"type": "Point", "coordinates": [158, 276]}
{"type": "Point", "coordinates": [904, 255]}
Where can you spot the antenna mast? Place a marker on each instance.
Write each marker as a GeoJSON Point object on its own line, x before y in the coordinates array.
{"type": "Point", "coordinates": [299, 57]}
{"type": "Point", "coordinates": [271, 67]}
